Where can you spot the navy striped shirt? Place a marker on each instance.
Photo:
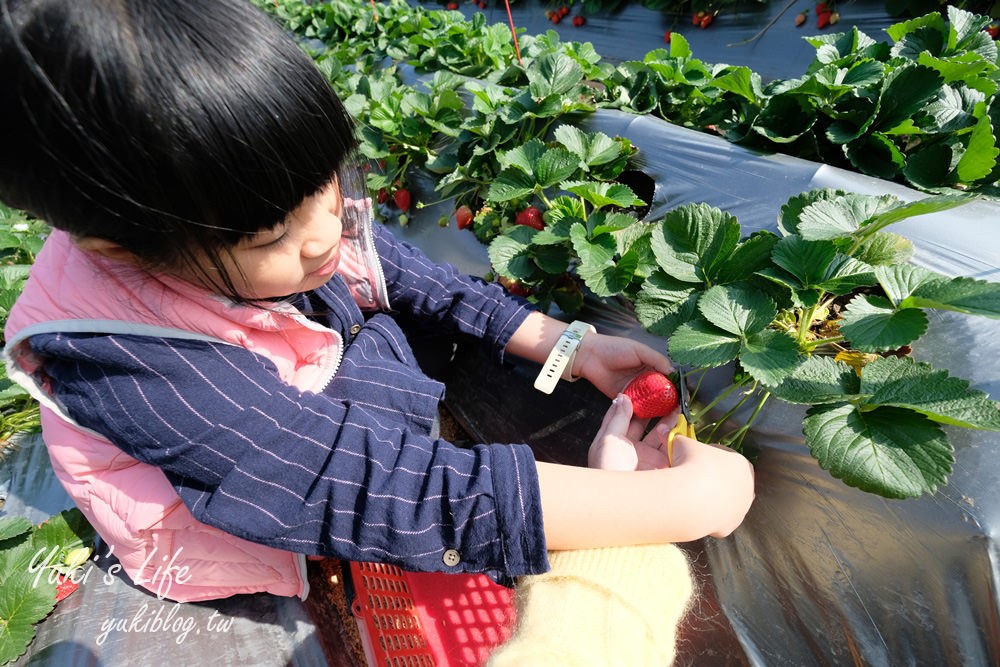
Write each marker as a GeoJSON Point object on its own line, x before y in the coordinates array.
{"type": "Point", "coordinates": [351, 472]}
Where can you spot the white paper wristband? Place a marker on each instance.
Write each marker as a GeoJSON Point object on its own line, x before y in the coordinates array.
{"type": "Point", "coordinates": [559, 363]}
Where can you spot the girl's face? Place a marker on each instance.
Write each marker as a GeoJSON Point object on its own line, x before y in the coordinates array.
{"type": "Point", "coordinates": [300, 254]}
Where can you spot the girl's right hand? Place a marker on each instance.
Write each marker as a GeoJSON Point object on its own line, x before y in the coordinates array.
{"type": "Point", "coordinates": [718, 481]}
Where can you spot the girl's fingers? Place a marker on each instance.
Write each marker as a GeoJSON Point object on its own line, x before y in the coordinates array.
{"type": "Point", "coordinates": [617, 418]}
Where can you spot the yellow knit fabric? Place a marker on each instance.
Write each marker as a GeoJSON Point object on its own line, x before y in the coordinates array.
{"type": "Point", "coordinates": [600, 608]}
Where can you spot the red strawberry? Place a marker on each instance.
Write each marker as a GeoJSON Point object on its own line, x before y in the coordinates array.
{"type": "Point", "coordinates": [579, 20]}
{"type": "Point", "coordinates": [402, 199]}
{"type": "Point", "coordinates": [652, 394]}
{"type": "Point", "coordinates": [993, 30]}
{"type": "Point", "coordinates": [531, 217]}
{"type": "Point", "coordinates": [667, 35]}
{"type": "Point", "coordinates": [463, 216]}
{"type": "Point", "coordinates": [515, 287]}
{"type": "Point", "coordinates": [822, 8]}
{"type": "Point", "coordinates": [564, 10]}
{"type": "Point", "coordinates": [706, 21]}
{"type": "Point", "coordinates": [64, 587]}
{"type": "Point", "coordinates": [822, 20]}
{"type": "Point", "coordinates": [556, 17]}
{"type": "Point", "coordinates": [696, 18]}
{"type": "Point", "coordinates": [452, 5]}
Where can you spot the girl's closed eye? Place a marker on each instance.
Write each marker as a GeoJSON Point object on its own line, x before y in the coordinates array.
{"type": "Point", "coordinates": [271, 238]}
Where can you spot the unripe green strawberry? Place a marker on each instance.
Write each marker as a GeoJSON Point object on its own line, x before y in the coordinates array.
{"type": "Point", "coordinates": [652, 394]}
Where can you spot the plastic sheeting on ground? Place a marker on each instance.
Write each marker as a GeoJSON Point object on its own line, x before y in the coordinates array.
{"type": "Point", "coordinates": [820, 573]}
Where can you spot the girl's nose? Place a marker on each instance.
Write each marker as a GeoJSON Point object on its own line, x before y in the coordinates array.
{"type": "Point", "coordinates": [316, 247]}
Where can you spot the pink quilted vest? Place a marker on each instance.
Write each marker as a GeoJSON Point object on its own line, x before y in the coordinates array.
{"type": "Point", "coordinates": [160, 545]}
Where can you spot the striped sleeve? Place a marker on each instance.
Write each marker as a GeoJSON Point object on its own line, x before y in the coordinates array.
{"type": "Point", "coordinates": [299, 471]}
{"type": "Point", "coordinates": [440, 293]}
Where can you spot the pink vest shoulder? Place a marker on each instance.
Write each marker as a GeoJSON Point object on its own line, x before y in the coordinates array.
{"type": "Point", "coordinates": [131, 504]}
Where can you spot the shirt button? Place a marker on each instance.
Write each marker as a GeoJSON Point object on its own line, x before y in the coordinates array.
{"type": "Point", "coordinates": [451, 558]}
{"type": "Point", "coordinates": [355, 328]}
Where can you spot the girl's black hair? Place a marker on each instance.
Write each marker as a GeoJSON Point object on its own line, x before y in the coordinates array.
{"type": "Point", "coordinates": [167, 126]}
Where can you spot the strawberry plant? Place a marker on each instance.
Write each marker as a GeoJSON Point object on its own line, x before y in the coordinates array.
{"type": "Point", "coordinates": [822, 314]}
{"type": "Point", "coordinates": [21, 237]}
{"type": "Point", "coordinates": [39, 566]}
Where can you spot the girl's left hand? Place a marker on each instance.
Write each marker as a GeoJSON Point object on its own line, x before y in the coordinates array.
{"type": "Point", "coordinates": [620, 445]}
{"type": "Point", "coordinates": [610, 362]}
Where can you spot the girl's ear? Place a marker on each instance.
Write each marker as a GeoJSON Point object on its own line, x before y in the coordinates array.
{"type": "Point", "coordinates": [104, 247]}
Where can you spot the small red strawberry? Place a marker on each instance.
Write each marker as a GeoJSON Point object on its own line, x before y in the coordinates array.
{"type": "Point", "coordinates": [515, 287]}
{"type": "Point", "coordinates": [463, 216]}
{"type": "Point", "coordinates": [402, 199]}
{"type": "Point", "coordinates": [452, 5]}
{"type": "Point", "coordinates": [822, 20]}
{"type": "Point", "coordinates": [64, 587]}
{"type": "Point", "coordinates": [579, 21]}
{"type": "Point", "coordinates": [564, 10]}
{"type": "Point", "coordinates": [697, 17]}
{"type": "Point", "coordinates": [993, 30]}
{"type": "Point", "coordinates": [706, 21]}
{"type": "Point", "coordinates": [530, 217]}
{"type": "Point", "coordinates": [667, 35]}
{"type": "Point", "coordinates": [800, 18]}
{"type": "Point", "coordinates": [652, 394]}
{"type": "Point", "coordinates": [382, 195]}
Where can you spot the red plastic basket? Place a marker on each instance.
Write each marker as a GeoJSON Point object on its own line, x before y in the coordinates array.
{"type": "Point", "coordinates": [425, 619]}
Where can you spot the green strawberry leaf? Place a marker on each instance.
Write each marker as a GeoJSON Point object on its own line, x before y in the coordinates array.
{"type": "Point", "coordinates": [905, 383]}
{"type": "Point", "coordinates": [885, 248]}
{"type": "Point", "coordinates": [511, 183]}
{"type": "Point", "coordinates": [889, 451]}
{"type": "Point", "coordinates": [819, 265]}
{"type": "Point", "coordinates": [553, 75]}
{"type": "Point", "coordinates": [737, 310]}
{"type": "Point", "coordinates": [524, 157]}
{"type": "Point", "coordinates": [23, 603]}
{"type": "Point", "coordinates": [693, 242]}
{"type": "Point", "coordinates": [960, 294]}
{"type": "Point", "coordinates": [871, 324]}
{"type": "Point", "coordinates": [510, 253]}
{"type": "Point", "coordinates": [700, 344]}
{"type": "Point", "coordinates": [751, 255]}
{"type": "Point", "coordinates": [664, 303]}
{"type": "Point", "coordinates": [791, 211]}
{"type": "Point", "coordinates": [905, 91]}
{"type": "Point", "coordinates": [877, 155]}
{"type": "Point", "coordinates": [554, 166]}
{"type": "Point", "coordinates": [980, 156]}
{"type": "Point", "coordinates": [841, 217]}
{"type": "Point", "coordinates": [819, 380]}
{"type": "Point", "coordinates": [598, 268]}
{"type": "Point", "coordinates": [904, 210]}
{"type": "Point", "coordinates": [770, 356]}
{"type": "Point", "coordinates": [601, 193]}
{"type": "Point", "coordinates": [13, 526]}
{"type": "Point", "coordinates": [591, 149]}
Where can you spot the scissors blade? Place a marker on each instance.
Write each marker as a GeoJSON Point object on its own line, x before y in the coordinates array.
{"type": "Point", "coordinates": [682, 394]}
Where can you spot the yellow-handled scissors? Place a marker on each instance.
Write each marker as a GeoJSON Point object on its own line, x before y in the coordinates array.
{"type": "Point", "coordinates": [685, 425]}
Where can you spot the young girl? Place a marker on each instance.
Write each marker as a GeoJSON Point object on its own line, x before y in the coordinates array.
{"type": "Point", "coordinates": [210, 327]}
